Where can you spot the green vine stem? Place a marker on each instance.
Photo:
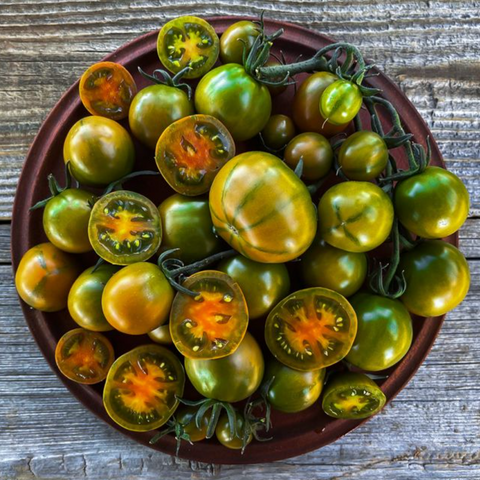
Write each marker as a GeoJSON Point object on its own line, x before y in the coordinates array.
{"type": "Point", "coordinates": [54, 187]}
{"type": "Point", "coordinates": [162, 77]}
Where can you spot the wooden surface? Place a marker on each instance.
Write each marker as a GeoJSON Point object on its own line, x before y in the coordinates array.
{"type": "Point", "coordinates": [431, 430]}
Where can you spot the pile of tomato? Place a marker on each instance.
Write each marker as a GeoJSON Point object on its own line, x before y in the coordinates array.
{"type": "Point", "coordinates": [241, 246]}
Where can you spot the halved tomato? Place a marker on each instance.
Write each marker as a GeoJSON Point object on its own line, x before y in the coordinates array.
{"type": "Point", "coordinates": [125, 228]}
{"type": "Point", "coordinates": [191, 151]}
{"type": "Point", "coordinates": [83, 356]}
{"type": "Point", "coordinates": [212, 324]}
{"type": "Point", "coordinates": [107, 89]}
{"type": "Point", "coordinates": [142, 387]}
{"type": "Point", "coordinates": [311, 329]}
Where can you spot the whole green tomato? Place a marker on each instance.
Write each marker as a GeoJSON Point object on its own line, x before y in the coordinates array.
{"type": "Point", "coordinates": [224, 435]}
{"type": "Point", "coordinates": [186, 416]}
{"type": "Point", "coordinates": [154, 108]}
{"type": "Point", "coordinates": [325, 266]}
{"type": "Point", "coordinates": [437, 276]}
{"type": "Point", "coordinates": [340, 102]}
{"type": "Point", "coordinates": [432, 204]}
{"type": "Point", "coordinates": [230, 94]}
{"type": "Point", "coordinates": [228, 379]}
{"type": "Point", "coordinates": [65, 220]}
{"type": "Point", "coordinates": [161, 335]}
{"type": "Point", "coordinates": [292, 391]}
{"type": "Point", "coordinates": [236, 39]}
{"type": "Point", "coordinates": [278, 131]}
{"type": "Point", "coordinates": [363, 156]}
{"type": "Point", "coordinates": [384, 333]}
{"type": "Point", "coordinates": [263, 284]}
{"type": "Point", "coordinates": [85, 298]}
{"type": "Point", "coordinates": [100, 151]}
{"type": "Point", "coordinates": [187, 225]}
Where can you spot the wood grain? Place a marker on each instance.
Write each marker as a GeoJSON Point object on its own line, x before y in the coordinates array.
{"type": "Point", "coordinates": [432, 50]}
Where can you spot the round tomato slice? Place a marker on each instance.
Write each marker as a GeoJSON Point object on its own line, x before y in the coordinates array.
{"type": "Point", "coordinates": [142, 387]}
{"type": "Point", "coordinates": [125, 228]}
{"type": "Point", "coordinates": [212, 324]}
{"type": "Point", "coordinates": [83, 356]}
{"type": "Point", "coordinates": [107, 89]}
{"type": "Point", "coordinates": [311, 329]}
{"type": "Point", "coordinates": [191, 151]}
{"type": "Point", "coordinates": [352, 396]}
{"type": "Point", "coordinates": [188, 42]}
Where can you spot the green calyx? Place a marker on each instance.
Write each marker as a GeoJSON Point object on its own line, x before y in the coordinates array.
{"type": "Point", "coordinates": [162, 77]}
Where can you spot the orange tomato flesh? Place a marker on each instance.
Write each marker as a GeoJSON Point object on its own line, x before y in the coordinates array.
{"type": "Point", "coordinates": [124, 225]}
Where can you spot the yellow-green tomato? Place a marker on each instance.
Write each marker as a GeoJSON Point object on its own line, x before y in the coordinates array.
{"type": "Point", "coordinates": [187, 225]}
{"type": "Point", "coordinates": [224, 435]}
{"type": "Point", "coordinates": [85, 298]}
{"type": "Point", "coordinates": [161, 335]}
{"type": "Point", "coordinates": [263, 284]}
{"type": "Point", "coordinates": [325, 266]}
{"type": "Point", "coordinates": [340, 102]}
{"type": "Point", "coordinates": [236, 39]}
{"type": "Point", "coordinates": [290, 390]}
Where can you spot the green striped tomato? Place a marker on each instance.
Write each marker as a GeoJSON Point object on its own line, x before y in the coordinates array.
{"type": "Point", "coordinates": [262, 209]}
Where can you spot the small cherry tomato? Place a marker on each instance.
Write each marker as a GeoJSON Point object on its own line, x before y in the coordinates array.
{"type": "Point", "coordinates": [100, 151]}
{"type": "Point", "coordinates": [125, 228]}
{"type": "Point", "coordinates": [224, 435]}
{"type": "Point", "coordinates": [230, 94]}
{"type": "Point", "coordinates": [44, 277]}
{"type": "Point", "coordinates": [229, 379]}
{"type": "Point", "coordinates": [278, 131]}
{"type": "Point", "coordinates": [83, 356]}
{"type": "Point", "coordinates": [236, 39]}
{"type": "Point", "coordinates": [352, 396]}
{"type": "Point", "coordinates": [212, 324]}
{"type": "Point", "coordinates": [85, 298]}
{"type": "Point", "coordinates": [154, 108]}
{"type": "Point", "coordinates": [142, 388]}
{"type": "Point", "coordinates": [262, 209]}
{"type": "Point", "coordinates": [311, 329]}
{"type": "Point", "coordinates": [363, 156]}
{"type": "Point", "coordinates": [107, 89]}
{"type": "Point", "coordinates": [437, 276]}
{"type": "Point", "coordinates": [340, 102]}
{"type": "Point", "coordinates": [306, 113]}
{"type": "Point", "coordinates": [65, 220]}
{"type": "Point", "coordinates": [432, 204]}
{"type": "Point", "coordinates": [325, 266]}
{"type": "Point", "coordinates": [185, 415]}
{"type": "Point", "coordinates": [188, 42]}
{"type": "Point", "coordinates": [292, 391]}
{"type": "Point", "coordinates": [161, 335]}
{"type": "Point", "coordinates": [384, 333]}
{"type": "Point", "coordinates": [263, 284]}
{"type": "Point", "coordinates": [187, 225]}
{"type": "Point", "coordinates": [315, 151]}
{"type": "Point", "coordinates": [355, 216]}
{"type": "Point", "coordinates": [191, 151]}
{"type": "Point", "coordinates": [137, 299]}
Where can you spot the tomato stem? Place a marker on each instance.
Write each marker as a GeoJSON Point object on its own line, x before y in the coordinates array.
{"type": "Point", "coordinates": [118, 183]}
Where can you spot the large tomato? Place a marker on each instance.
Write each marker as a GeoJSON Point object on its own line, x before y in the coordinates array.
{"type": "Point", "coordinates": [261, 208]}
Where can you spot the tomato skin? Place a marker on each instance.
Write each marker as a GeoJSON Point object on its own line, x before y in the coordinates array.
{"type": "Point", "coordinates": [278, 131]}
{"type": "Point", "coordinates": [154, 108]}
{"type": "Point", "coordinates": [432, 204]}
{"type": "Point", "coordinates": [85, 298]}
{"type": "Point", "coordinates": [261, 208]}
{"type": "Point", "coordinates": [44, 277]}
{"type": "Point", "coordinates": [355, 216]}
{"type": "Point", "coordinates": [236, 99]}
{"type": "Point", "coordinates": [340, 102]}
{"type": "Point", "coordinates": [306, 114]}
{"type": "Point", "coordinates": [228, 379]}
{"type": "Point", "coordinates": [83, 356]}
{"type": "Point", "coordinates": [292, 391]}
{"type": "Point", "coordinates": [363, 155]}
{"type": "Point", "coordinates": [437, 276]}
{"type": "Point", "coordinates": [187, 225]}
{"type": "Point", "coordinates": [315, 151]}
{"type": "Point", "coordinates": [325, 266]}
{"type": "Point", "coordinates": [186, 416]}
{"type": "Point", "coordinates": [224, 435]}
{"type": "Point", "coordinates": [65, 220]}
{"type": "Point", "coordinates": [236, 38]}
{"type": "Point", "coordinates": [161, 335]}
{"type": "Point", "coordinates": [384, 333]}
{"type": "Point", "coordinates": [99, 150]}
{"type": "Point", "coordinates": [137, 299]}
{"type": "Point", "coordinates": [263, 285]}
